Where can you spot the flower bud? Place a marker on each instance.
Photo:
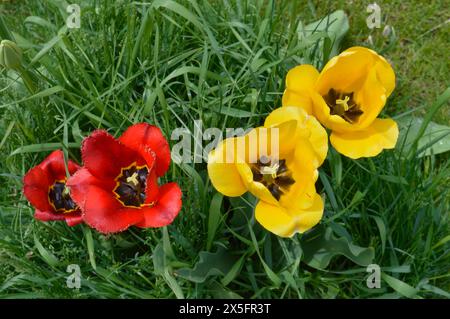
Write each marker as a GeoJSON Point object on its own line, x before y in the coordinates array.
{"type": "Point", "coordinates": [10, 55]}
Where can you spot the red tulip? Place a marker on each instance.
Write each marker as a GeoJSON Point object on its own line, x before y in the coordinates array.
{"type": "Point", "coordinates": [118, 187]}
{"type": "Point", "coordinates": [45, 188]}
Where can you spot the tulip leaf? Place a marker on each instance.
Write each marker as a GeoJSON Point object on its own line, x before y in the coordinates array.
{"type": "Point", "coordinates": [214, 218]}
{"type": "Point", "coordinates": [47, 256]}
{"type": "Point", "coordinates": [333, 26]}
{"type": "Point", "coordinates": [209, 264]}
{"type": "Point", "coordinates": [399, 286]}
{"type": "Point", "coordinates": [162, 268]}
{"type": "Point", "coordinates": [321, 245]}
{"type": "Point", "coordinates": [435, 140]}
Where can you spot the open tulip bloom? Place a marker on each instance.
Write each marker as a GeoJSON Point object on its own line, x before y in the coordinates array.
{"type": "Point", "coordinates": [283, 180]}
{"type": "Point", "coordinates": [347, 97]}
{"type": "Point", "coordinates": [118, 185]}
{"type": "Point", "coordinates": [45, 188]}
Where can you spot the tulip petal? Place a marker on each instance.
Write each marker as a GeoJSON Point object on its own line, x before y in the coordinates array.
{"type": "Point", "coordinates": [166, 208]}
{"type": "Point", "coordinates": [345, 72]}
{"type": "Point", "coordinates": [222, 169]}
{"type": "Point", "coordinates": [54, 165]}
{"type": "Point", "coordinates": [385, 73]}
{"type": "Point", "coordinates": [104, 156]}
{"type": "Point", "coordinates": [297, 99]}
{"type": "Point", "coordinates": [151, 136]}
{"type": "Point", "coordinates": [381, 134]}
{"type": "Point", "coordinates": [372, 98]}
{"type": "Point", "coordinates": [307, 126]}
{"type": "Point", "coordinates": [302, 77]}
{"type": "Point", "coordinates": [105, 213]}
{"type": "Point", "coordinates": [286, 223]}
{"type": "Point", "coordinates": [299, 81]}
{"type": "Point", "coordinates": [74, 220]}
{"type": "Point", "coordinates": [36, 185]}
{"type": "Point", "coordinates": [309, 217]}
{"type": "Point", "coordinates": [47, 216]}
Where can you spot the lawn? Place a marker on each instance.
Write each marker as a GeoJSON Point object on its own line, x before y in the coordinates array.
{"type": "Point", "coordinates": [170, 63]}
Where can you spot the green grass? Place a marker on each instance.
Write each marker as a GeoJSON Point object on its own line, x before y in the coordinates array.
{"type": "Point", "coordinates": [212, 62]}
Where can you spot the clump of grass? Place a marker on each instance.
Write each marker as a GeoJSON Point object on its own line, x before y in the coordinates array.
{"type": "Point", "coordinates": [169, 64]}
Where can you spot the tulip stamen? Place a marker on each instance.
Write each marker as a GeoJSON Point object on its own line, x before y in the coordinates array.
{"type": "Point", "coordinates": [344, 102]}
{"type": "Point", "coordinates": [131, 185]}
{"type": "Point", "coordinates": [275, 176]}
{"type": "Point", "coordinates": [343, 105]}
{"type": "Point", "coordinates": [59, 198]}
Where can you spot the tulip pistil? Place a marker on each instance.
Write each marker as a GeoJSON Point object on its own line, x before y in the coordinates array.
{"type": "Point", "coordinates": [274, 175]}
{"type": "Point", "coordinates": [343, 105]}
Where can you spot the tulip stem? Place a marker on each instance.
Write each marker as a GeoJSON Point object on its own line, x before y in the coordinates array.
{"type": "Point", "coordinates": [4, 31]}
{"type": "Point", "coordinates": [27, 80]}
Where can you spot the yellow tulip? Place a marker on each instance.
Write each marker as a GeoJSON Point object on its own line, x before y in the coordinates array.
{"type": "Point", "coordinates": [347, 97]}
{"type": "Point", "coordinates": [279, 169]}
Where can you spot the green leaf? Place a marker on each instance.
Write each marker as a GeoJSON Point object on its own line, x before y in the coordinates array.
{"type": "Point", "coordinates": [90, 246]}
{"type": "Point", "coordinates": [163, 269]}
{"type": "Point", "coordinates": [209, 264]}
{"type": "Point", "coordinates": [214, 218]}
{"type": "Point", "coordinates": [399, 286]}
{"type": "Point", "coordinates": [48, 257]}
{"type": "Point", "coordinates": [334, 27]}
{"type": "Point", "coordinates": [321, 245]}
{"type": "Point", "coordinates": [237, 113]}
{"type": "Point", "coordinates": [435, 139]}
{"type": "Point", "coordinates": [44, 147]}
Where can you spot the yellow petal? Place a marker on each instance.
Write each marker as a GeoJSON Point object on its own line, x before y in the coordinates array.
{"type": "Point", "coordinates": [301, 77]}
{"type": "Point", "coordinates": [286, 223]}
{"type": "Point", "coordinates": [308, 218]}
{"type": "Point", "coordinates": [299, 99]}
{"type": "Point", "coordinates": [318, 139]}
{"type": "Point", "coordinates": [275, 141]}
{"type": "Point", "coordinates": [275, 219]}
{"type": "Point", "coordinates": [371, 98]}
{"type": "Point", "coordinates": [301, 194]}
{"type": "Point", "coordinates": [385, 73]}
{"type": "Point", "coordinates": [307, 126]}
{"type": "Point", "coordinates": [223, 172]}
{"type": "Point", "coordinates": [345, 72]}
{"type": "Point", "coordinates": [381, 134]}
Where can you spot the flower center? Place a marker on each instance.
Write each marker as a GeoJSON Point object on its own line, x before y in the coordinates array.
{"type": "Point", "coordinates": [59, 198]}
{"type": "Point", "coordinates": [131, 184]}
{"type": "Point", "coordinates": [343, 104]}
{"type": "Point", "coordinates": [273, 175]}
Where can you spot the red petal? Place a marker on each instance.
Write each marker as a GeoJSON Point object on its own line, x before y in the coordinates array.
{"type": "Point", "coordinates": [150, 136]}
{"type": "Point", "coordinates": [104, 156]}
{"type": "Point", "coordinates": [165, 210]}
{"type": "Point", "coordinates": [54, 165]}
{"type": "Point", "coordinates": [47, 216]}
{"type": "Point", "coordinates": [80, 182]}
{"type": "Point", "coordinates": [103, 212]}
{"type": "Point", "coordinates": [73, 220]}
{"type": "Point", "coordinates": [35, 187]}
{"type": "Point", "coordinates": [152, 189]}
